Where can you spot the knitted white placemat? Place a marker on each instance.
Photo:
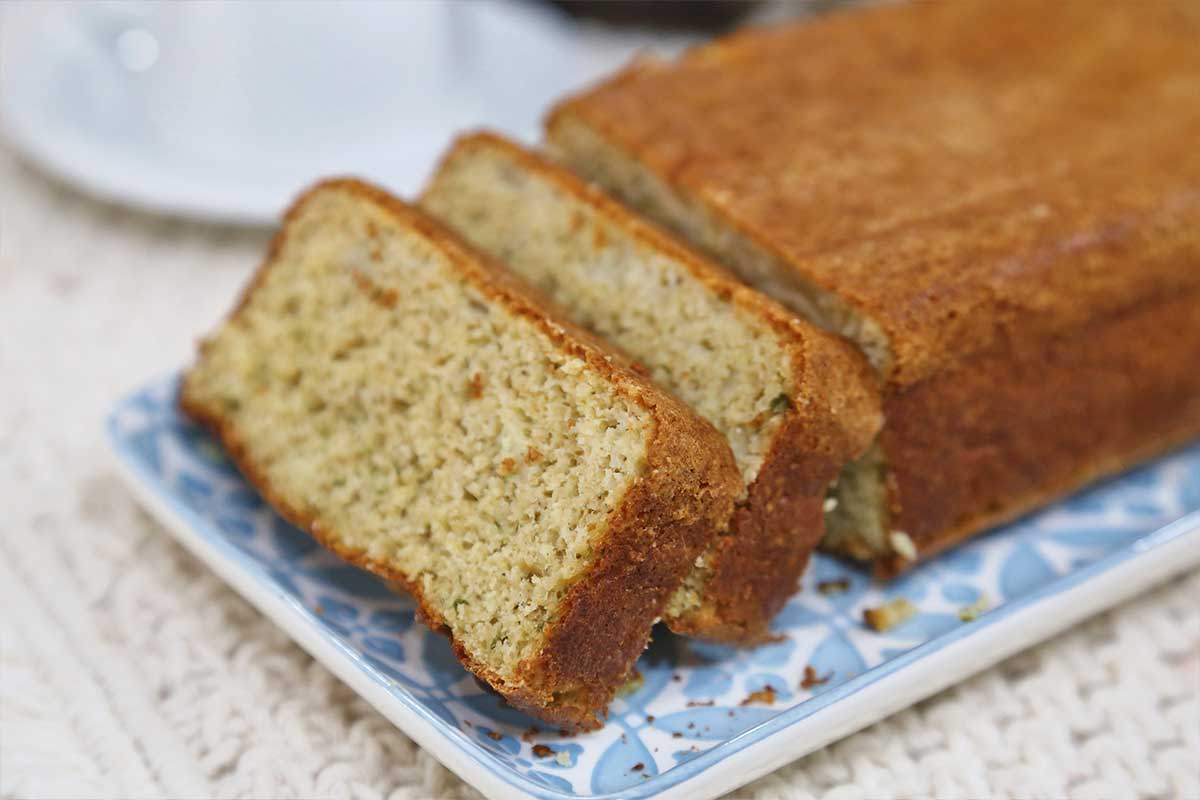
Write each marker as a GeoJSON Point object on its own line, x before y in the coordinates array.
{"type": "Point", "coordinates": [129, 670]}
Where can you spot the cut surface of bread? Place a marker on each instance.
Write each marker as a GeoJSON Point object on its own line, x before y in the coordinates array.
{"type": "Point", "coordinates": [794, 402]}
{"type": "Point", "coordinates": [995, 201]}
{"type": "Point", "coordinates": [423, 414]}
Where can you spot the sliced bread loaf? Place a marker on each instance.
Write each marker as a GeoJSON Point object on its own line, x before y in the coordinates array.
{"type": "Point", "coordinates": [996, 201]}
{"type": "Point", "coordinates": [795, 403]}
{"type": "Point", "coordinates": [423, 415]}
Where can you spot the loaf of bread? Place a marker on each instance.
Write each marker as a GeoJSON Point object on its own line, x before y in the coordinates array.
{"type": "Point", "coordinates": [999, 202]}
{"type": "Point", "coordinates": [423, 415]}
{"type": "Point", "coordinates": [795, 403]}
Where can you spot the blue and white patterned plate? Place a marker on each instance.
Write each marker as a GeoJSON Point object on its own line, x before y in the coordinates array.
{"type": "Point", "coordinates": [700, 723]}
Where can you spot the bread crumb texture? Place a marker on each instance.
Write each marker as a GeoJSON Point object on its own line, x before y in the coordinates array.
{"type": "Point", "coordinates": [428, 428]}
{"type": "Point", "coordinates": [725, 361]}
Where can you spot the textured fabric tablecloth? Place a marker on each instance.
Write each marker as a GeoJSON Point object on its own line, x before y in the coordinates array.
{"type": "Point", "coordinates": [128, 670]}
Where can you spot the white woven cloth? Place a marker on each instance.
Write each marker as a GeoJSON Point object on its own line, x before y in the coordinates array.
{"type": "Point", "coordinates": [128, 670]}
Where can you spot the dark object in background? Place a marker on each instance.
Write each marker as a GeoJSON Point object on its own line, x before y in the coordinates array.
{"type": "Point", "coordinates": [700, 15]}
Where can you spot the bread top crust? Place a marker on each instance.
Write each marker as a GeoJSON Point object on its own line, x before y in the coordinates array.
{"type": "Point", "coordinates": [854, 404]}
{"type": "Point", "coordinates": [959, 172]}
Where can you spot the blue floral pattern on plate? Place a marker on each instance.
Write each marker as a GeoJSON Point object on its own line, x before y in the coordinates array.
{"type": "Point", "coordinates": [693, 697]}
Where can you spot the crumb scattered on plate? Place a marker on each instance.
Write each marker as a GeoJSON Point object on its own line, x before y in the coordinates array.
{"type": "Point", "coordinates": [764, 695]}
{"type": "Point", "coordinates": [971, 612]}
{"type": "Point", "coordinates": [833, 587]}
{"type": "Point", "coordinates": [811, 678]}
{"type": "Point", "coordinates": [890, 614]}
{"type": "Point", "coordinates": [630, 686]}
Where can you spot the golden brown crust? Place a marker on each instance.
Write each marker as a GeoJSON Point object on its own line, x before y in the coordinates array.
{"type": "Point", "coordinates": [834, 416]}
{"type": "Point", "coordinates": [1072, 409]}
{"type": "Point", "coordinates": [665, 520]}
{"type": "Point", "coordinates": [1024, 123]}
{"type": "Point", "coordinates": [1010, 190]}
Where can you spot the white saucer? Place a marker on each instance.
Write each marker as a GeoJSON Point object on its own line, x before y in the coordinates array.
{"type": "Point", "coordinates": [78, 99]}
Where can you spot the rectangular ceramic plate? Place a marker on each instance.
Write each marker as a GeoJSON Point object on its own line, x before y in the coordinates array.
{"type": "Point", "coordinates": [699, 724]}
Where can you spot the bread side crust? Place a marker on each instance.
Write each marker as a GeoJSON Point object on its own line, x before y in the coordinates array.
{"type": "Point", "coordinates": [1035, 421]}
{"type": "Point", "coordinates": [834, 416]}
{"type": "Point", "coordinates": [665, 520]}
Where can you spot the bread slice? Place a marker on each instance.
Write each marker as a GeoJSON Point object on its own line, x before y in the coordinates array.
{"type": "Point", "coordinates": [794, 402]}
{"type": "Point", "coordinates": [995, 201]}
{"type": "Point", "coordinates": [424, 415]}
